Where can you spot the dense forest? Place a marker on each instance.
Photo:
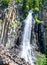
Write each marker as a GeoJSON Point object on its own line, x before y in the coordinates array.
{"type": "Point", "coordinates": [23, 32]}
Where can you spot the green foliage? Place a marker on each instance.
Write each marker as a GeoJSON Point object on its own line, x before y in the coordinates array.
{"type": "Point", "coordinates": [16, 24]}
{"type": "Point", "coordinates": [9, 28]}
{"type": "Point", "coordinates": [4, 3]}
{"type": "Point", "coordinates": [35, 5]}
{"type": "Point", "coordinates": [41, 60]}
{"type": "Point", "coordinates": [38, 21]}
{"type": "Point", "coordinates": [0, 20]}
{"type": "Point", "coordinates": [36, 9]}
{"type": "Point", "coordinates": [19, 1]}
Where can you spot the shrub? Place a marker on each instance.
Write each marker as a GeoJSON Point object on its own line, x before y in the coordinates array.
{"type": "Point", "coordinates": [41, 60]}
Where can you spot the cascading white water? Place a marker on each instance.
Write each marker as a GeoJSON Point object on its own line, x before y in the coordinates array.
{"type": "Point", "coordinates": [27, 48]}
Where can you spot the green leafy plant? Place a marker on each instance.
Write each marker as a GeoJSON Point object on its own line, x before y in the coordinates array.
{"type": "Point", "coordinates": [41, 60]}
{"type": "Point", "coordinates": [4, 3]}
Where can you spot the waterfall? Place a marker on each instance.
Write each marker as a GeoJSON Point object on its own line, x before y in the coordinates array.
{"type": "Point", "coordinates": [26, 48]}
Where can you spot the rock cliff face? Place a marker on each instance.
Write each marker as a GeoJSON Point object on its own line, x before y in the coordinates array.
{"type": "Point", "coordinates": [10, 35]}
{"type": "Point", "coordinates": [11, 27]}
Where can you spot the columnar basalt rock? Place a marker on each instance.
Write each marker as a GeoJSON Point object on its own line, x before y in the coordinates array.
{"type": "Point", "coordinates": [10, 18]}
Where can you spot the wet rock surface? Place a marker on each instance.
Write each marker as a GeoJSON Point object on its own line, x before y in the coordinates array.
{"type": "Point", "coordinates": [11, 57]}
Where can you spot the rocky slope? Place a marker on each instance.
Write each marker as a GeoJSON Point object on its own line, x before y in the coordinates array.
{"type": "Point", "coordinates": [11, 57]}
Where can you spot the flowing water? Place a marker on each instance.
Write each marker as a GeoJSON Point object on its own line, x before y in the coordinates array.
{"type": "Point", "coordinates": [27, 49]}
